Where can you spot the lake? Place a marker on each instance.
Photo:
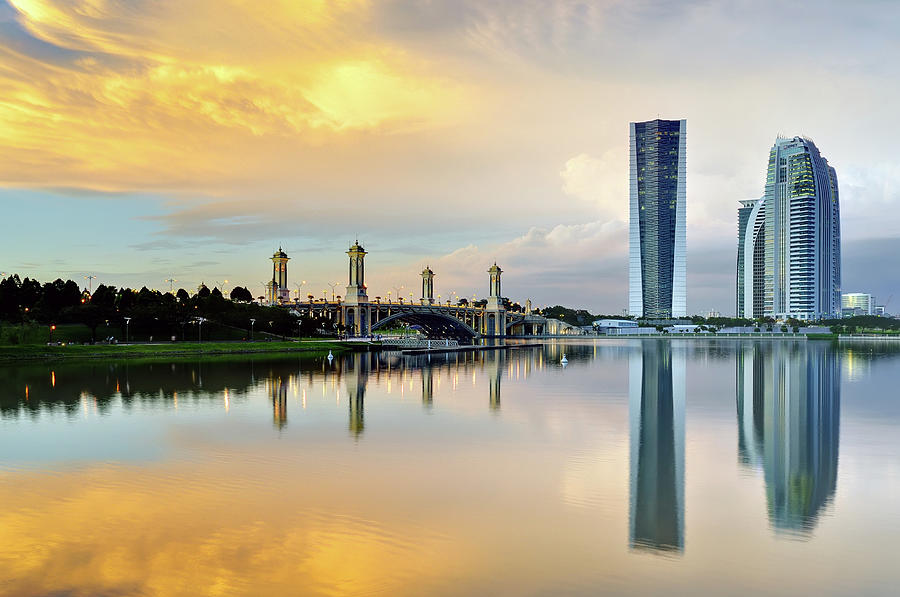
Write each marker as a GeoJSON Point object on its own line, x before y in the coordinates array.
{"type": "Point", "coordinates": [682, 467]}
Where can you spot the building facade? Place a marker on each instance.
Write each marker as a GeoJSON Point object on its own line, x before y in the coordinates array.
{"type": "Point", "coordinates": [789, 242]}
{"type": "Point", "coordinates": [657, 211]}
{"type": "Point", "coordinates": [803, 233]}
{"type": "Point", "coordinates": [750, 258]}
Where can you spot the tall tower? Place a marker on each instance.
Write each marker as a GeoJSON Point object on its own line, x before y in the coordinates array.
{"type": "Point", "coordinates": [494, 320]}
{"type": "Point", "coordinates": [802, 275]}
{"type": "Point", "coordinates": [427, 286]}
{"type": "Point", "coordinates": [750, 259]}
{"type": "Point", "coordinates": [495, 272]}
{"type": "Point", "coordinates": [356, 313]}
{"type": "Point", "coordinates": [278, 287]}
{"type": "Point", "coordinates": [657, 210]}
{"type": "Point", "coordinates": [356, 286]}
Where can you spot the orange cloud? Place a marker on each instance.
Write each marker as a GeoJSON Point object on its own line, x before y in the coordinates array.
{"type": "Point", "coordinates": [119, 96]}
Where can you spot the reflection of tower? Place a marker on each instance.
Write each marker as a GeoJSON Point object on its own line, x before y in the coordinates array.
{"type": "Point", "coordinates": [427, 386]}
{"type": "Point", "coordinates": [494, 312]}
{"type": "Point", "coordinates": [656, 412]}
{"type": "Point", "coordinates": [278, 287]}
{"type": "Point", "coordinates": [496, 373]}
{"type": "Point", "coordinates": [750, 400]}
{"type": "Point", "coordinates": [278, 393]}
{"type": "Point", "coordinates": [357, 377]}
{"type": "Point", "coordinates": [427, 286]}
{"type": "Point", "coordinates": [798, 386]}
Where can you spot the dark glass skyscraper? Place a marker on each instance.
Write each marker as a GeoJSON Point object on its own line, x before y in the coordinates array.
{"type": "Point", "coordinates": [657, 234]}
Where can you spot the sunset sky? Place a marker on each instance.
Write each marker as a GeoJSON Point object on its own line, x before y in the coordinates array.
{"type": "Point", "coordinates": [149, 139]}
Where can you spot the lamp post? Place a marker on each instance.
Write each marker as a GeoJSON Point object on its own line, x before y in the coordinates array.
{"type": "Point", "coordinates": [127, 322]}
{"type": "Point", "coordinates": [90, 280]}
{"type": "Point", "coordinates": [171, 282]}
{"type": "Point", "coordinates": [333, 286]}
{"type": "Point", "coordinates": [52, 327]}
{"type": "Point", "coordinates": [252, 321]}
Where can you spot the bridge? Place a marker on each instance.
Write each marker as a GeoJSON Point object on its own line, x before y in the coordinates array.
{"type": "Point", "coordinates": [464, 322]}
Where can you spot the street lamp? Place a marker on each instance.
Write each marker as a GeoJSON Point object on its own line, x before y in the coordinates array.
{"type": "Point", "coordinates": [127, 322]}
{"type": "Point", "coordinates": [52, 327]}
{"type": "Point", "coordinates": [171, 282]}
{"type": "Point", "coordinates": [252, 321]}
{"type": "Point", "coordinates": [333, 286]}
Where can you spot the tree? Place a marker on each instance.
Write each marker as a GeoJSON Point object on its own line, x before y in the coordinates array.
{"type": "Point", "coordinates": [182, 295]}
{"type": "Point", "coordinates": [241, 294]}
{"type": "Point", "coordinates": [203, 291]}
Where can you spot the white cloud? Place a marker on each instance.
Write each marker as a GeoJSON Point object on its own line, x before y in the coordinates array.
{"type": "Point", "coordinates": [602, 182]}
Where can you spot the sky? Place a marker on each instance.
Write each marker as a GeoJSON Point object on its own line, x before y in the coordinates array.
{"type": "Point", "coordinates": [147, 140]}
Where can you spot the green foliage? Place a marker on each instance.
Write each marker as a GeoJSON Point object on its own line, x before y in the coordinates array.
{"type": "Point", "coordinates": [150, 314]}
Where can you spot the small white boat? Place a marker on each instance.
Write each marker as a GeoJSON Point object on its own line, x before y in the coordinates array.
{"type": "Point", "coordinates": [564, 361]}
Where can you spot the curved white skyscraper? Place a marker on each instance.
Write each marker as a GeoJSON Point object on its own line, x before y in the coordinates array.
{"type": "Point", "coordinates": [789, 242]}
{"type": "Point", "coordinates": [657, 232]}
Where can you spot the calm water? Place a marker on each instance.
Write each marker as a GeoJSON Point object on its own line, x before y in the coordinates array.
{"type": "Point", "coordinates": [675, 467]}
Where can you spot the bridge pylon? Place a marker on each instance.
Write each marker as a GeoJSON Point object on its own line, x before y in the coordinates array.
{"type": "Point", "coordinates": [427, 286]}
{"type": "Point", "coordinates": [356, 311]}
{"type": "Point", "coordinates": [494, 320]}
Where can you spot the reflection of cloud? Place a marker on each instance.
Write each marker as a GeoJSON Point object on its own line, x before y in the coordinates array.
{"type": "Point", "coordinates": [131, 531]}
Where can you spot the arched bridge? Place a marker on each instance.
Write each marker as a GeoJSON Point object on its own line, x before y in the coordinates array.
{"type": "Point", "coordinates": [359, 315]}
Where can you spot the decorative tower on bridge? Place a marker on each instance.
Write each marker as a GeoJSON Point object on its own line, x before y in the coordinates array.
{"type": "Point", "coordinates": [356, 311]}
{"type": "Point", "coordinates": [494, 320]}
{"type": "Point", "coordinates": [278, 291]}
{"type": "Point", "coordinates": [427, 286]}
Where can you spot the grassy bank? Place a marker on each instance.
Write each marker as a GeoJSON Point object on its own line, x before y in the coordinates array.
{"type": "Point", "coordinates": [179, 349]}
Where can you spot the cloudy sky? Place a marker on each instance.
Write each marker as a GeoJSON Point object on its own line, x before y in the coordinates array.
{"type": "Point", "coordinates": [149, 139]}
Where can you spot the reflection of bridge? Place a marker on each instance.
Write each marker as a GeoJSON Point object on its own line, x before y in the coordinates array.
{"type": "Point", "coordinates": [463, 321]}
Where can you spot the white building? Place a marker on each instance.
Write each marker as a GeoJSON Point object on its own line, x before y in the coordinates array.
{"type": "Point", "coordinates": [615, 327]}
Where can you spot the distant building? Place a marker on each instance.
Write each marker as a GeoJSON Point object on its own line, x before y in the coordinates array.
{"type": "Point", "coordinates": [615, 327]}
{"type": "Point", "coordinates": [657, 233]}
{"type": "Point", "coordinates": [880, 311]}
{"type": "Point", "coordinates": [858, 303]}
{"type": "Point", "coordinates": [712, 314]}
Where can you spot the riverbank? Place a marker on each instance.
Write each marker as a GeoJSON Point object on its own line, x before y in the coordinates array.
{"type": "Point", "coordinates": [31, 353]}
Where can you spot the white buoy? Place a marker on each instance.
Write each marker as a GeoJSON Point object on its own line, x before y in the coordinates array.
{"type": "Point", "coordinates": [330, 356]}
{"type": "Point", "coordinates": [564, 361]}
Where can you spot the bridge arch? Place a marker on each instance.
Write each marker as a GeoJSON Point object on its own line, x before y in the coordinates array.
{"type": "Point", "coordinates": [435, 325]}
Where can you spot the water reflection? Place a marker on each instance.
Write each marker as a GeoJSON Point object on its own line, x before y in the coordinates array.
{"type": "Point", "coordinates": [278, 394]}
{"type": "Point", "coordinates": [656, 407]}
{"type": "Point", "coordinates": [788, 401]}
{"type": "Point", "coordinates": [357, 376]}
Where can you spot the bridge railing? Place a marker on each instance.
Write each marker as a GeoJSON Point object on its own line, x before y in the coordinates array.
{"type": "Point", "coordinates": [419, 343]}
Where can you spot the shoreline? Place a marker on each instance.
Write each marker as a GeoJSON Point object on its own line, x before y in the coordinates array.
{"type": "Point", "coordinates": [34, 353]}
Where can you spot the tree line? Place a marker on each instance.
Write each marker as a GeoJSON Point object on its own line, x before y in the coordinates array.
{"type": "Point", "coordinates": [144, 313]}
